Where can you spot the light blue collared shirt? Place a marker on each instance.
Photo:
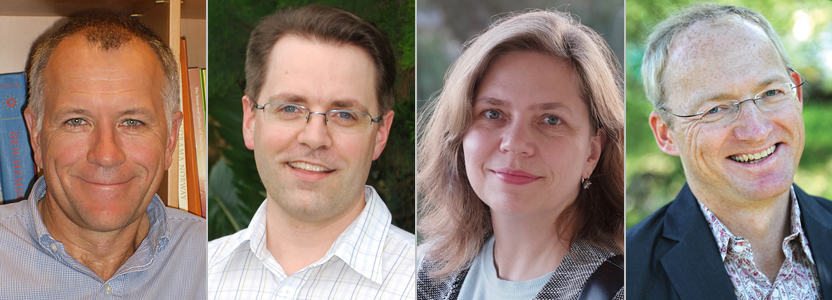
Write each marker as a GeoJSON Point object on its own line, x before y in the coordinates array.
{"type": "Point", "coordinates": [168, 264]}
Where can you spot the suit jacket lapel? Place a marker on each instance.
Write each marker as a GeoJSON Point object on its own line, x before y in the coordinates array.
{"type": "Point", "coordinates": [694, 265]}
{"type": "Point", "coordinates": [816, 224]}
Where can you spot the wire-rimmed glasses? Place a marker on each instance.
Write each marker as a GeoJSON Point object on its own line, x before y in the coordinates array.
{"type": "Point", "coordinates": [293, 115]}
{"type": "Point", "coordinates": [723, 112]}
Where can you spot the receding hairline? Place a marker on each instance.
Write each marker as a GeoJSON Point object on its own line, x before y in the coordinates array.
{"type": "Point", "coordinates": [689, 43]}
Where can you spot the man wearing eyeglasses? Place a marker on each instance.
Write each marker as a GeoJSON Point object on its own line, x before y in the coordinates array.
{"type": "Point", "coordinates": [728, 103]}
{"type": "Point", "coordinates": [317, 111]}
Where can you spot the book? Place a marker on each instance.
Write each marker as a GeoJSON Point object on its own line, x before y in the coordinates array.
{"type": "Point", "coordinates": [199, 134]}
{"type": "Point", "coordinates": [193, 204]}
{"type": "Point", "coordinates": [17, 168]}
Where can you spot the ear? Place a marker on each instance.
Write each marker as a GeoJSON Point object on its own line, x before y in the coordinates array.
{"type": "Point", "coordinates": [173, 137]}
{"type": "Point", "coordinates": [798, 80]}
{"type": "Point", "coordinates": [596, 146]}
{"type": "Point", "coordinates": [662, 134]}
{"type": "Point", "coordinates": [34, 135]}
{"type": "Point", "coordinates": [248, 122]}
{"type": "Point", "coordinates": [382, 133]}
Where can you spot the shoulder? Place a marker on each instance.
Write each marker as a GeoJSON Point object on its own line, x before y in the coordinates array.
{"type": "Point", "coordinates": [14, 212]}
{"type": "Point", "coordinates": [184, 225]}
{"type": "Point", "coordinates": [645, 248]}
{"type": "Point", "coordinates": [221, 250]}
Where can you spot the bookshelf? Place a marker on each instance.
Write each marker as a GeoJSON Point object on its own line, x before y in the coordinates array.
{"type": "Point", "coordinates": [25, 22]}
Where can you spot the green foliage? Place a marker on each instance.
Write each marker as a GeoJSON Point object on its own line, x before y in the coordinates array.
{"type": "Point", "coordinates": [653, 177]}
{"type": "Point", "coordinates": [236, 190]}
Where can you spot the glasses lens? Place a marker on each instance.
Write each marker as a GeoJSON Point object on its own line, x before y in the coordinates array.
{"type": "Point", "coordinates": [348, 121]}
{"type": "Point", "coordinates": [714, 112]}
{"type": "Point", "coordinates": [776, 97]}
{"type": "Point", "coordinates": [286, 114]}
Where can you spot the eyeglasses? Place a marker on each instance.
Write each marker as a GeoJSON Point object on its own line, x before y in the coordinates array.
{"type": "Point", "coordinates": [292, 115]}
{"type": "Point", "coordinates": [724, 112]}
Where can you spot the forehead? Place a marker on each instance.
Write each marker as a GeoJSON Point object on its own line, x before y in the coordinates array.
{"type": "Point", "coordinates": [318, 74]}
{"type": "Point", "coordinates": [718, 57]}
{"type": "Point", "coordinates": [527, 78]}
{"type": "Point", "coordinates": [128, 74]}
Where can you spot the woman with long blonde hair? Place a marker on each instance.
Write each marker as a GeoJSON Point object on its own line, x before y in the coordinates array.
{"type": "Point", "coordinates": [521, 167]}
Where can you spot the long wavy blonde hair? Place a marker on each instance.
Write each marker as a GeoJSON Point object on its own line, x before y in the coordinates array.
{"type": "Point", "coordinates": [454, 221]}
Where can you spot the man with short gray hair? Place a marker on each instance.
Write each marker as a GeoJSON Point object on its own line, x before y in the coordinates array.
{"type": "Point", "coordinates": [103, 121]}
{"type": "Point", "coordinates": [729, 104]}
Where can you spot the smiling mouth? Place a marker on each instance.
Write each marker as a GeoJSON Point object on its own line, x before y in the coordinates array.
{"type": "Point", "coordinates": [308, 167]}
{"type": "Point", "coordinates": [754, 157]}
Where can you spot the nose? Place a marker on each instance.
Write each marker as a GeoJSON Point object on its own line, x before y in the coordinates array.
{"type": "Point", "coordinates": [517, 139]}
{"type": "Point", "coordinates": [105, 148]}
{"type": "Point", "coordinates": [752, 123]}
{"type": "Point", "coordinates": [314, 134]}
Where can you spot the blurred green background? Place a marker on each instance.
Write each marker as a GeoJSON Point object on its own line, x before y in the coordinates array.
{"type": "Point", "coordinates": [443, 27]}
{"type": "Point", "coordinates": [235, 190]}
{"type": "Point", "coordinates": [805, 27]}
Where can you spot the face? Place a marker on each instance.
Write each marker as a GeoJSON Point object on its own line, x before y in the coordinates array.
{"type": "Point", "coordinates": [724, 61]}
{"type": "Point", "coordinates": [310, 172]}
{"type": "Point", "coordinates": [104, 143]}
{"type": "Point", "coordinates": [531, 140]}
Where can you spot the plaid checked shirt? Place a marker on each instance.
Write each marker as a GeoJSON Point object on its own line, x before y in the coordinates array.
{"type": "Point", "coordinates": [371, 259]}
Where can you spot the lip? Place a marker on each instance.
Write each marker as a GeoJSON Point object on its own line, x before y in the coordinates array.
{"type": "Point", "coordinates": [516, 177]}
{"type": "Point", "coordinates": [307, 175]}
{"type": "Point", "coordinates": [105, 183]}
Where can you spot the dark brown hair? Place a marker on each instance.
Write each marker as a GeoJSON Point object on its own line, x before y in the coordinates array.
{"type": "Point", "coordinates": [326, 24]}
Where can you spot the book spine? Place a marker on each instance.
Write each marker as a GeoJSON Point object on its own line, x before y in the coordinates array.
{"type": "Point", "coordinates": [17, 168]}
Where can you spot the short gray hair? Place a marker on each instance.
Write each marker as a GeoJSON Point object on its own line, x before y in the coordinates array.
{"type": "Point", "coordinates": [106, 31]}
{"type": "Point", "coordinates": [658, 44]}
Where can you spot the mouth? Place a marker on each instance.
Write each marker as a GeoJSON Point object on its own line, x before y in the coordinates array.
{"type": "Point", "coordinates": [516, 177]}
{"type": "Point", "coordinates": [308, 167]}
{"type": "Point", "coordinates": [754, 157]}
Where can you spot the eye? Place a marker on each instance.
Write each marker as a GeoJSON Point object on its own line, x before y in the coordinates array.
{"type": "Point", "coordinates": [345, 115]}
{"type": "Point", "coordinates": [492, 114]}
{"type": "Point", "coordinates": [132, 123]}
{"type": "Point", "coordinates": [771, 93]}
{"type": "Point", "coordinates": [75, 122]}
{"type": "Point", "coordinates": [552, 120]}
{"type": "Point", "coordinates": [289, 109]}
{"type": "Point", "coordinates": [714, 110]}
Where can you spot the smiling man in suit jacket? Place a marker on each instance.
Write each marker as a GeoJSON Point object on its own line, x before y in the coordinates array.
{"type": "Point", "coordinates": [729, 104]}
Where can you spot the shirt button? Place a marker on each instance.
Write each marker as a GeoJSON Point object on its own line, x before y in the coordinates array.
{"type": "Point", "coordinates": [54, 248]}
{"type": "Point", "coordinates": [108, 288]}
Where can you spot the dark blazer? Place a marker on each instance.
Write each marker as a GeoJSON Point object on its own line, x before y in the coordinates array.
{"type": "Point", "coordinates": [673, 254]}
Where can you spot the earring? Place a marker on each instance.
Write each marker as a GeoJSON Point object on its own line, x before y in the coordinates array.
{"type": "Point", "coordinates": [586, 183]}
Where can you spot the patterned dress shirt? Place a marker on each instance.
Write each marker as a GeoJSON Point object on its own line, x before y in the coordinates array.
{"type": "Point", "coordinates": [798, 276]}
{"type": "Point", "coordinates": [168, 264]}
{"type": "Point", "coordinates": [371, 259]}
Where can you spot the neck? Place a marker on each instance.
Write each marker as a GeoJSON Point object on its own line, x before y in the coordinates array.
{"type": "Point", "coordinates": [526, 248]}
{"type": "Point", "coordinates": [763, 223]}
{"type": "Point", "coordinates": [101, 252]}
{"type": "Point", "coordinates": [296, 243]}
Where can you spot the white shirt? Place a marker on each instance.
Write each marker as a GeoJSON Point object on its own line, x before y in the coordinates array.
{"type": "Point", "coordinates": [371, 259]}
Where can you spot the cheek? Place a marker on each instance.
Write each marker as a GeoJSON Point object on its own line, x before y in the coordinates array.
{"type": "Point", "coordinates": [476, 146]}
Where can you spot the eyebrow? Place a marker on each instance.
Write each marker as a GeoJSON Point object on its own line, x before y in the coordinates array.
{"type": "Point", "coordinates": [536, 106]}
{"type": "Point", "coordinates": [347, 103]}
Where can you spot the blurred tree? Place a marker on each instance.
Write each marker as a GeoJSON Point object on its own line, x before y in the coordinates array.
{"type": "Point", "coordinates": [653, 177]}
{"type": "Point", "coordinates": [235, 190]}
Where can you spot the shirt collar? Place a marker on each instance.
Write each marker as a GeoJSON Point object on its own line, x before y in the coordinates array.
{"type": "Point", "coordinates": [360, 245]}
{"type": "Point", "coordinates": [155, 242]}
{"type": "Point", "coordinates": [724, 237]}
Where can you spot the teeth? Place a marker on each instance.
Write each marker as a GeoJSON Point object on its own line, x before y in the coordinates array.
{"type": "Point", "coordinates": [308, 167]}
{"type": "Point", "coordinates": [751, 158]}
